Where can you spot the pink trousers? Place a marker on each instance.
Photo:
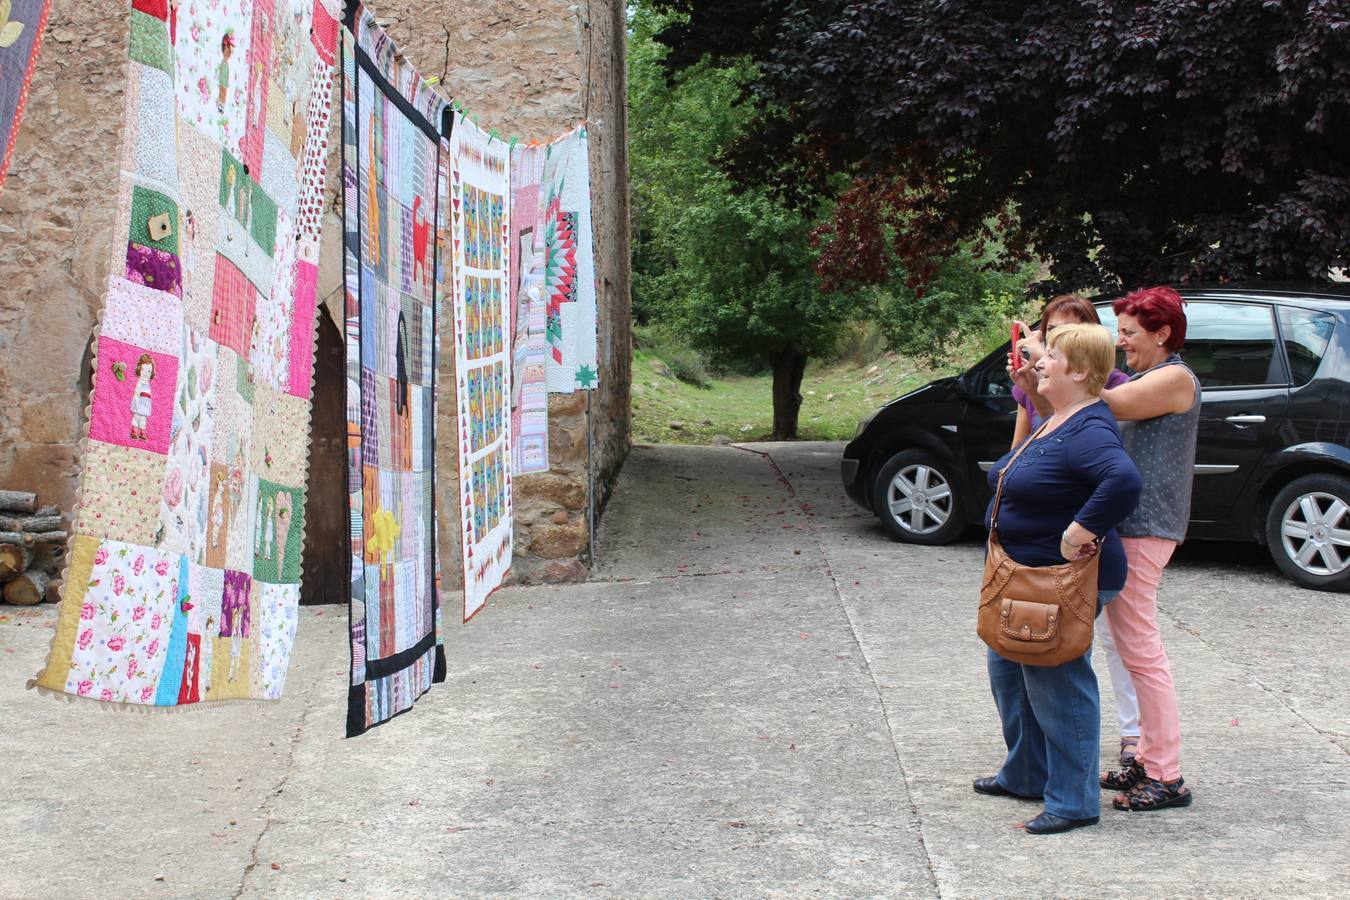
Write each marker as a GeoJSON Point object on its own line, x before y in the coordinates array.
{"type": "Point", "coordinates": [1134, 625]}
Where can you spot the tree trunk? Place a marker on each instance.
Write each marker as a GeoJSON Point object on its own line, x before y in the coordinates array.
{"type": "Point", "coordinates": [788, 368]}
{"type": "Point", "coordinates": [28, 589]}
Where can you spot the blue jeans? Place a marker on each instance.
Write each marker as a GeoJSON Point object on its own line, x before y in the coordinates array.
{"type": "Point", "coordinates": [1052, 725]}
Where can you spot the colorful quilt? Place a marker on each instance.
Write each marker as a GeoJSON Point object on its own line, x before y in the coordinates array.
{"type": "Point", "coordinates": [480, 232]}
{"type": "Point", "coordinates": [569, 264]}
{"type": "Point", "coordinates": [529, 392]}
{"type": "Point", "coordinates": [185, 565]}
{"type": "Point", "coordinates": [22, 23]}
{"type": "Point", "coordinates": [391, 163]}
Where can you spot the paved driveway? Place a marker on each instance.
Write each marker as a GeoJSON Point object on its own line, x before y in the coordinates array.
{"type": "Point", "coordinates": [759, 694]}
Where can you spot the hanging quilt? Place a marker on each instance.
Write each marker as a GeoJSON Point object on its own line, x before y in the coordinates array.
{"type": "Point", "coordinates": [529, 392]}
{"type": "Point", "coordinates": [391, 160]}
{"type": "Point", "coordinates": [480, 231]}
{"type": "Point", "coordinates": [184, 569]}
{"type": "Point", "coordinates": [22, 23]}
{"type": "Point", "coordinates": [569, 264]}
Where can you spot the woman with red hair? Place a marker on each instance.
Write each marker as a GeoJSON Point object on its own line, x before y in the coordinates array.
{"type": "Point", "coordinates": [1159, 414]}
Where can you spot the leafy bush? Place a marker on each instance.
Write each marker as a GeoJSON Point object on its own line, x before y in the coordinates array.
{"type": "Point", "coordinates": [687, 366]}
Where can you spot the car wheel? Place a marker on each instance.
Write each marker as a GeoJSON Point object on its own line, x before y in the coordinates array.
{"type": "Point", "coordinates": [1308, 531]}
{"type": "Point", "coordinates": [917, 499]}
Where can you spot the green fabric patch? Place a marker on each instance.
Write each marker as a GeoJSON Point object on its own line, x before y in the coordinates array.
{"type": "Point", "coordinates": [243, 373]}
{"type": "Point", "coordinates": [150, 42]}
{"type": "Point", "coordinates": [146, 205]}
{"type": "Point", "coordinates": [279, 531]}
{"type": "Point", "coordinates": [242, 198]}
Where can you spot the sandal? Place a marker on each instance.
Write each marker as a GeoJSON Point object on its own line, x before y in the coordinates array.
{"type": "Point", "coordinates": [1129, 747]}
{"type": "Point", "coordinates": [1151, 794]}
{"type": "Point", "coordinates": [1126, 779]}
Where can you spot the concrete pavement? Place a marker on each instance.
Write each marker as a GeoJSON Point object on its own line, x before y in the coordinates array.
{"type": "Point", "coordinates": [757, 695]}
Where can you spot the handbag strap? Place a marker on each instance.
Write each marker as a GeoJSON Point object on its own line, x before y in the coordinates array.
{"type": "Point", "coordinates": [998, 494]}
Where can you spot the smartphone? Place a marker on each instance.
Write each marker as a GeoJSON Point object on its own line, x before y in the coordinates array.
{"type": "Point", "coordinates": [1016, 356]}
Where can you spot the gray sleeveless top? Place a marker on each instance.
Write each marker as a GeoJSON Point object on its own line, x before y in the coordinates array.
{"type": "Point", "coordinates": [1163, 449]}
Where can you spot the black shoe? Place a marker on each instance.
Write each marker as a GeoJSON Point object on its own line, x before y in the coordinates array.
{"type": "Point", "coordinates": [1127, 779]}
{"type": "Point", "coordinates": [1151, 794]}
{"type": "Point", "coordinates": [991, 787]}
{"type": "Point", "coordinates": [1046, 823]}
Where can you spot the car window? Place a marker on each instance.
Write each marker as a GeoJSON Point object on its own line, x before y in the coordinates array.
{"type": "Point", "coordinates": [996, 381]}
{"type": "Point", "coordinates": [1232, 344]}
{"type": "Point", "coordinates": [1306, 334]}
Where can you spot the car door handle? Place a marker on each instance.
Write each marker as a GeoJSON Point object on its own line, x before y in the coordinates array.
{"type": "Point", "coordinates": [1245, 419]}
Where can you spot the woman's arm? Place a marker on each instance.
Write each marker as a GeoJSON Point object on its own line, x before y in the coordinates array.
{"type": "Point", "coordinates": [1169, 389]}
{"type": "Point", "coordinates": [1022, 430]}
{"type": "Point", "coordinates": [1100, 458]}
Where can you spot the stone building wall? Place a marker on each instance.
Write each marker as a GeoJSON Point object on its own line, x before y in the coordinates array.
{"type": "Point", "coordinates": [531, 68]}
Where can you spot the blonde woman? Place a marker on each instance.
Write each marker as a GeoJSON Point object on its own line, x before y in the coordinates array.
{"type": "Point", "coordinates": [1062, 498]}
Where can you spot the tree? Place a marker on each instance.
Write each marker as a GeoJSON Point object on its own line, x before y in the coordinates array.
{"type": "Point", "coordinates": [1125, 143]}
{"type": "Point", "coordinates": [734, 271]}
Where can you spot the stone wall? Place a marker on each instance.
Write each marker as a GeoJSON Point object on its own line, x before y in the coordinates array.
{"type": "Point", "coordinates": [531, 69]}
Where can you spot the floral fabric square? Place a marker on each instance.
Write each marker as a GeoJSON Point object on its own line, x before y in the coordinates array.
{"type": "Point", "coordinates": [123, 502]}
{"type": "Point", "coordinates": [123, 639]}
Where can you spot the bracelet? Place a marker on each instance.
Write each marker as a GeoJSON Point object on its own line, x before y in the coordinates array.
{"type": "Point", "coordinates": [1065, 538]}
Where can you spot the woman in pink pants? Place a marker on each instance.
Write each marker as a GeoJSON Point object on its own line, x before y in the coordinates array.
{"type": "Point", "coordinates": [1159, 411]}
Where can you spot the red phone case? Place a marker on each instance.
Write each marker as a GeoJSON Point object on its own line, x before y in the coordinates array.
{"type": "Point", "coordinates": [1016, 357]}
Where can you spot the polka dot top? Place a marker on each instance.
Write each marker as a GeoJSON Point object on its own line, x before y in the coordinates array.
{"type": "Point", "coordinates": [1163, 449]}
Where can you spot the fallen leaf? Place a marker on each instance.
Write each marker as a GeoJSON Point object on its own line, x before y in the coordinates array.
{"type": "Point", "coordinates": [804, 635]}
{"type": "Point", "coordinates": [1233, 723]}
{"type": "Point", "coordinates": [276, 867]}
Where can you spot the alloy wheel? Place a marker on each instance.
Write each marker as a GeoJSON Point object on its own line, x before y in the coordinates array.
{"type": "Point", "coordinates": [1315, 529]}
{"type": "Point", "coordinates": [921, 499]}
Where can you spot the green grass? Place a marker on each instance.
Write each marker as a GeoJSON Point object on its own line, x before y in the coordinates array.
{"type": "Point", "coordinates": [834, 398]}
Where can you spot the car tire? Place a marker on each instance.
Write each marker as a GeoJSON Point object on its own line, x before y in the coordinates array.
{"type": "Point", "coordinates": [1308, 531]}
{"type": "Point", "coordinates": [940, 515]}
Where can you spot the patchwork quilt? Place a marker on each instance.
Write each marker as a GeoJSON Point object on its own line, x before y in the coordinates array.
{"type": "Point", "coordinates": [569, 264]}
{"type": "Point", "coordinates": [391, 162]}
{"type": "Point", "coordinates": [480, 231]}
{"type": "Point", "coordinates": [529, 392]}
{"type": "Point", "coordinates": [22, 23]}
{"type": "Point", "coordinates": [185, 564]}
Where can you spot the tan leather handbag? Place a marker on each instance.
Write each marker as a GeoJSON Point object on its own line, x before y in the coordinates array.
{"type": "Point", "coordinates": [1035, 615]}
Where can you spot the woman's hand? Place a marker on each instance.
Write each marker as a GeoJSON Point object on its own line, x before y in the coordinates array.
{"type": "Point", "coordinates": [1031, 343]}
{"type": "Point", "coordinates": [1076, 543]}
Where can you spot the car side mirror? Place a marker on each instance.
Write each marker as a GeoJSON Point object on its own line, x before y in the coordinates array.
{"type": "Point", "coordinates": [963, 388]}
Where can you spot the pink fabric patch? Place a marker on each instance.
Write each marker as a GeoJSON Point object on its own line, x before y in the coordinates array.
{"type": "Point", "coordinates": [120, 403]}
{"type": "Point", "coordinates": [232, 307]}
{"type": "Point", "coordinates": [259, 59]}
{"type": "Point", "coordinates": [324, 31]}
{"type": "Point", "coordinates": [302, 329]}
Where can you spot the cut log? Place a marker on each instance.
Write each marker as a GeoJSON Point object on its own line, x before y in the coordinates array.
{"type": "Point", "coordinates": [30, 523]}
{"type": "Point", "coordinates": [28, 589]}
{"type": "Point", "coordinates": [25, 539]}
{"type": "Point", "coordinates": [48, 511]}
{"type": "Point", "coordinates": [54, 591]}
{"type": "Point", "coordinates": [14, 558]}
{"type": "Point", "coordinates": [18, 501]}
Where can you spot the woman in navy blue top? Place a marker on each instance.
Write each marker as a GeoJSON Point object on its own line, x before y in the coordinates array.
{"type": "Point", "coordinates": [1062, 499]}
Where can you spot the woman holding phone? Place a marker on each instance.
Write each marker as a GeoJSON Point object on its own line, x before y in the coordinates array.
{"type": "Point", "coordinates": [1071, 309]}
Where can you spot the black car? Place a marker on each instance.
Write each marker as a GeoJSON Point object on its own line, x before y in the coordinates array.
{"type": "Point", "coordinates": [1272, 462]}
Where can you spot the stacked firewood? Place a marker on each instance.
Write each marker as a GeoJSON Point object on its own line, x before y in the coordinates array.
{"type": "Point", "coordinates": [32, 549]}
